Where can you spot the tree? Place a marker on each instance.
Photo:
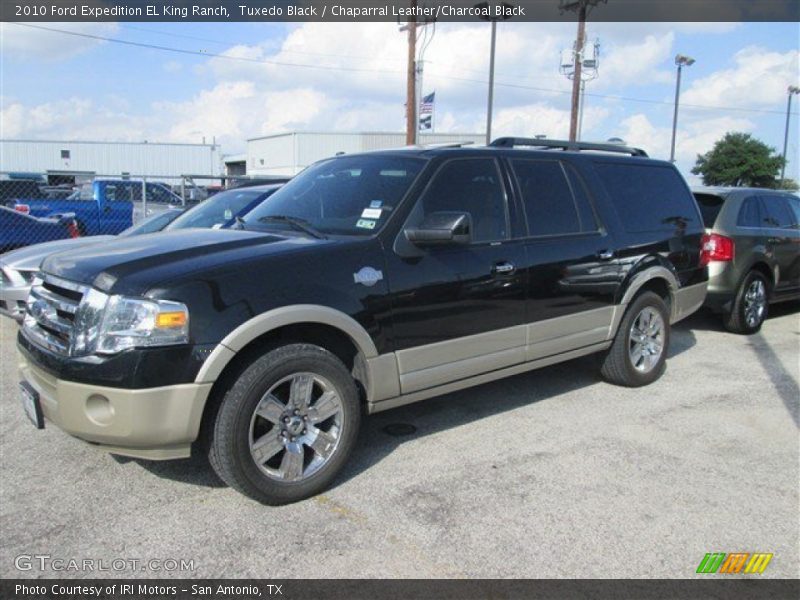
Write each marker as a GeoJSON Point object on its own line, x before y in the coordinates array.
{"type": "Point", "coordinates": [788, 184]}
{"type": "Point", "coordinates": [739, 159]}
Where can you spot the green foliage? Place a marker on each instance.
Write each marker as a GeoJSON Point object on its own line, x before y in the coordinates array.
{"type": "Point", "coordinates": [739, 159]}
{"type": "Point", "coordinates": [788, 184]}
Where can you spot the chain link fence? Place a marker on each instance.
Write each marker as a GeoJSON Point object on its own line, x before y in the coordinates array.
{"type": "Point", "coordinates": [44, 207]}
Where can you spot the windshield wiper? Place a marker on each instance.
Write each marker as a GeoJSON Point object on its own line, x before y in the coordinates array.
{"type": "Point", "coordinates": [296, 222]}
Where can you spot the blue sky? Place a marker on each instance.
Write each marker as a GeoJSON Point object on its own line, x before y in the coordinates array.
{"type": "Point", "coordinates": [57, 86]}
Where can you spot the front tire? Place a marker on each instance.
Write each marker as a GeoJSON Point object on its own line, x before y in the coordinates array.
{"type": "Point", "coordinates": [287, 426]}
{"type": "Point", "coordinates": [638, 354]}
{"type": "Point", "coordinates": [749, 308]}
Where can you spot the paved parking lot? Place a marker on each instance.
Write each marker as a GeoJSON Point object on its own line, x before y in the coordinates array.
{"type": "Point", "coordinates": [549, 474]}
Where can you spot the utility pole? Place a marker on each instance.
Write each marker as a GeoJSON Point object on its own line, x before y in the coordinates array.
{"type": "Point", "coordinates": [589, 71]}
{"type": "Point", "coordinates": [411, 79]}
{"type": "Point", "coordinates": [581, 7]}
{"type": "Point", "coordinates": [793, 89]}
{"type": "Point", "coordinates": [576, 81]}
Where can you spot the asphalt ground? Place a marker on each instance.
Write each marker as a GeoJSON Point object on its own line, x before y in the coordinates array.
{"type": "Point", "coordinates": [549, 474]}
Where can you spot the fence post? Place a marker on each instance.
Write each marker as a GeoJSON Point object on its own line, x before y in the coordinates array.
{"type": "Point", "coordinates": [144, 197]}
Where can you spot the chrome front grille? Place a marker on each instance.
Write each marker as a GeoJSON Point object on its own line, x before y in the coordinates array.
{"type": "Point", "coordinates": [50, 314]}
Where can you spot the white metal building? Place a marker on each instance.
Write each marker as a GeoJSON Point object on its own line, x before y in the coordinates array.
{"type": "Point", "coordinates": [110, 158]}
{"type": "Point", "coordinates": [289, 153]}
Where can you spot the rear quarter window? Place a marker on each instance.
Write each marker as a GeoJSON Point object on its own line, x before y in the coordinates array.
{"type": "Point", "coordinates": [648, 198]}
{"type": "Point", "coordinates": [710, 207]}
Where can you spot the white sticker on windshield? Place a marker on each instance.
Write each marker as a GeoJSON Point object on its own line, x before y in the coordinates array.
{"type": "Point", "coordinates": [376, 204]}
{"type": "Point", "coordinates": [371, 213]}
{"type": "Point", "coordinates": [365, 224]}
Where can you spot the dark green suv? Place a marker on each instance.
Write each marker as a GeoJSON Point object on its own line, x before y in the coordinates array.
{"type": "Point", "coordinates": [753, 242]}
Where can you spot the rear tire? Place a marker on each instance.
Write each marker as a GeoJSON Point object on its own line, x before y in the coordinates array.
{"type": "Point", "coordinates": [750, 305]}
{"type": "Point", "coordinates": [638, 354]}
{"type": "Point", "coordinates": [287, 425]}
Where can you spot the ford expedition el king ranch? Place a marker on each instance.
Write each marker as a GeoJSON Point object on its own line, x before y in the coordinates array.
{"type": "Point", "coordinates": [367, 282]}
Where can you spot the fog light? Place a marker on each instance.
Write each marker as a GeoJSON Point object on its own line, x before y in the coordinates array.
{"type": "Point", "coordinates": [99, 410]}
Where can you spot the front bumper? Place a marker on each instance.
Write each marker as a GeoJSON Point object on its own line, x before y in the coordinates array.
{"type": "Point", "coordinates": [154, 423]}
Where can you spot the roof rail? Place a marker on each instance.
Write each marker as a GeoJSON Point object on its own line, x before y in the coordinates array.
{"type": "Point", "coordinates": [436, 145]}
{"type": "Point", "coordinates": [513, 142]}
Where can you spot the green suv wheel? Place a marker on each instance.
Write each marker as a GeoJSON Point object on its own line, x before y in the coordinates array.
{"type": "Point", "coordinates": [750, 304]}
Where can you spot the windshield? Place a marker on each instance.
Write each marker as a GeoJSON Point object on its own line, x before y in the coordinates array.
{"type": "Point", "coordinates": [86, 192]}
{"type": "Point", "coordinates": [344, 196]}
{"type": "Point", "coordinates": [219, 209]}
{"type": "Point", "coordinates": [152, 223]}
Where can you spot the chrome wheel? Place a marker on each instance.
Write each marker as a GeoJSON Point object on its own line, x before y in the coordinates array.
{"type": "Point", "coordinates": [755, 302]}
{"type": "Point", "coordinates": [646, 340]}
{"type": "Point", "coordinates": [296, 427]}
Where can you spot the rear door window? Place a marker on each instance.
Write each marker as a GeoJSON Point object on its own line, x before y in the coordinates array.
{"type": "Point", "coordinates": [648, 197]}
{"type": "Point", "coordinates": [794, 205]}
{"type": "Point", "coordinates": [750, 213]}
{"type": "Point", "coordinates": [779, 214]}
{"type": "Point", "coordinates": [551, 207]}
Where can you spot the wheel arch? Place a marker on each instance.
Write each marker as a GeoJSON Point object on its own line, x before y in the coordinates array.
{"type": "Point", "coordinates": [311, 319]}
{"type": "Point", "coordinates": [319, 325]}
{"type": "Point", "coordinates": [656, 278]}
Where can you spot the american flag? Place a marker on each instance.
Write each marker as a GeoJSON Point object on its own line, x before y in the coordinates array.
{"type": "Point", "coordinates": [426, 105]}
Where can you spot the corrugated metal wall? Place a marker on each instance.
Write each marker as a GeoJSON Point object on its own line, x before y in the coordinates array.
{"type": "Point", "coordinates": [110, 158]}
{"type": "Point", "coordinates": [289, 153]}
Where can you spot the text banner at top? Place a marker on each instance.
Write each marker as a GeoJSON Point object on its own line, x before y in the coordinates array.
{"type": "Point", "coordinates": [399, 10]}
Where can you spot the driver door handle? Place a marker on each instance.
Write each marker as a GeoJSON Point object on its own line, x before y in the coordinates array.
{"type": "Point", "coordinates": [504, 268]}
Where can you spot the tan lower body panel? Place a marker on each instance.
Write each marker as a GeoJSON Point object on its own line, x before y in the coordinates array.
{"type": "Point", "coordinates": [454, 386]}
{"type": "Point", "coordinates": [156, 423]}
{"type": "Point", "coordinates": [687, 300]}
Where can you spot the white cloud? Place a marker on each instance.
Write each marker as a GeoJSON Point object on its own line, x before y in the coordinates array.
{"type": "Point", "coordinates": [758, 78]}
{"type": "Point", "coordinates": [173, 66]}
{"type": "Point", "coordinates": [693, 138]}
{"type": "Point", "coordinates": [77, 119]}
{"type": "Point", "coordinates": [636, 61]}
{"type": "Point", "coordinates": [28, 43]}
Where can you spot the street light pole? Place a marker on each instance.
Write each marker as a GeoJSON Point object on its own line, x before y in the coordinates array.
{"type": "Point", "coordinates": [680, 61]}
{"type": "Point", "coordinates": [486, 12]}
{"type": "Point", "coordinates": [490, 101]}
{"type": "Point", "coordinates": [793, 89]}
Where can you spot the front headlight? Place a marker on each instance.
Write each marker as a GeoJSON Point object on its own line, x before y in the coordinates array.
{"type": "Point", "coordinates": [110, 324]}
{"type": "Point", "coordinates": [136, 323]}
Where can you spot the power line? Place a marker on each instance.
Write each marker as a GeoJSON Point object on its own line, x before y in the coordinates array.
{"type": "Point", "coordinates": [232, 43]}
{"type": "Point", "coordinates": [613, 97]}
{"type": "Point", "coordinates": [377, 71]}
{"type": "Point", "coordinates": [205, 54]}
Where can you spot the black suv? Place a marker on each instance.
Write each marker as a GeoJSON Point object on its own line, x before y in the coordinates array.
{"type": "Point", "coordinates": [367, 282]}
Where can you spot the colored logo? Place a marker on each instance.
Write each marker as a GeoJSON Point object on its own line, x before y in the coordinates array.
{"type": "Point", "coordinates": [735, 562]}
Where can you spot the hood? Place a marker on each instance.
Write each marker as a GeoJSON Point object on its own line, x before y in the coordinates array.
{"type": "Point", "coordinates": [136, 264]}
{"type": "Point", "coordinates": [31, 257]}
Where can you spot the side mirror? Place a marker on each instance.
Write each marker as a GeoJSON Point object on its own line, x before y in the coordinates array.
{"type": "Point", "coordinates": [442, 228]}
